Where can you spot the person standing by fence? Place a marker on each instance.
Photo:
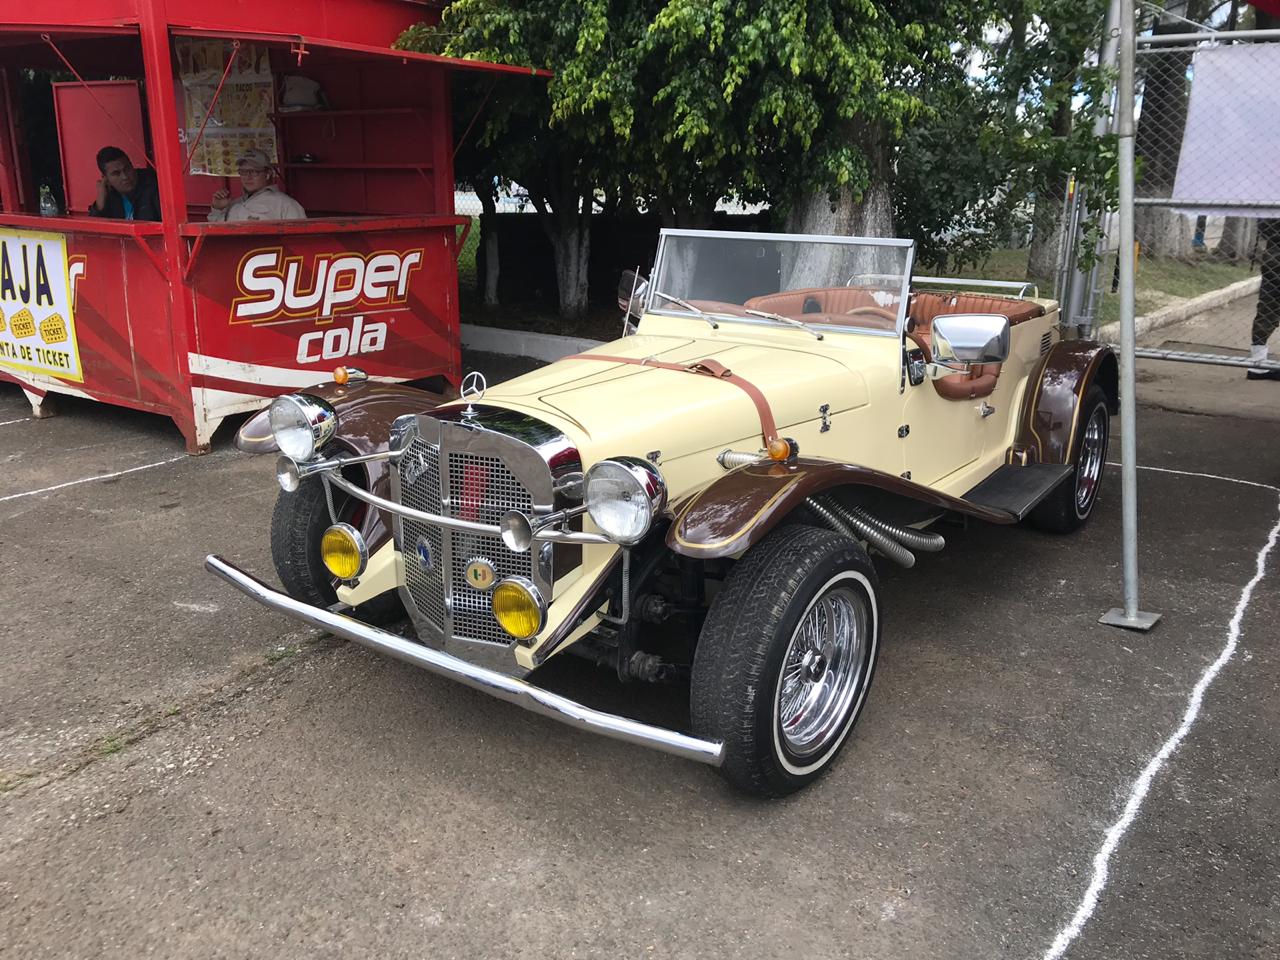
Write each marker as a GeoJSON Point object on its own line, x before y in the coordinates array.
{"type": "Point", "coordinates": [1267, 318]}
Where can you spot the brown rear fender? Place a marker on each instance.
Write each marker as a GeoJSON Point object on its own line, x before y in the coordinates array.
{"type": "Point", "coordinates": [737, 510]}
{"type": "Point", "coordinates": [1048, 421]}
{"type": "Point", "coordinates": [366, 411]}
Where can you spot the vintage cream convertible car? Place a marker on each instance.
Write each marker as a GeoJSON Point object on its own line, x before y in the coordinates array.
{"type": "Point", "coordinates": [696, 502]}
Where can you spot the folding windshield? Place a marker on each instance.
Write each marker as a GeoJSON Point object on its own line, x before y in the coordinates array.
{"type": "Point", "coordinates": [853, 283]}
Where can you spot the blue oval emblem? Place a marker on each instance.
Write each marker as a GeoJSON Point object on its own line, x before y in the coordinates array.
{"type": "Point", "coordinates": [424, 555]}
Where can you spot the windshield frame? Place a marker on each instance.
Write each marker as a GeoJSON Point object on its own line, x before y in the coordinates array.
{"type": "Point", "coordinates": [904, 293]}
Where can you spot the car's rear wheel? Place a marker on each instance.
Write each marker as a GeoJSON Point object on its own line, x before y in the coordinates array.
{"type": "Point", "coordinates": [785, 658]}
{"type": "Point", "coordinates": [298, 522]}
{"type": "Point", "coordinates": [1070, 505]}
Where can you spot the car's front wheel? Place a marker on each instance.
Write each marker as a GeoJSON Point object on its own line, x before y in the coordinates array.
{"type": "Point", "coordinates": [785, 658]}
{"type": "Point", "coordinates": [298, 522]}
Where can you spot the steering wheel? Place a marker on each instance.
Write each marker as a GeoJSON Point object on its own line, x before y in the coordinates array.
{"type": "Point", "coordinates": [880, 312]}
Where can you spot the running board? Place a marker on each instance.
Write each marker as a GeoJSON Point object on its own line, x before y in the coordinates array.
{"type": "Point", "coordinates": [1017, 490]}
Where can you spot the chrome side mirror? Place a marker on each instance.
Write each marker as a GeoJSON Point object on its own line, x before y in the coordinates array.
{"type": "Point", "coordinates": [961, 339]}
{"type": "Point", "coordinates": [632, 288]}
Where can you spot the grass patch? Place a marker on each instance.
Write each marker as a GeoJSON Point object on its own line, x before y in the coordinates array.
{"type": "Point", "coordinates": [109, 745]}
{"type": "Point", "coordinates": [282, 652]}
{"type": "Point", "coordinates": [1158, 283]}
{"type": "Point", "coordinates": [12, 779]}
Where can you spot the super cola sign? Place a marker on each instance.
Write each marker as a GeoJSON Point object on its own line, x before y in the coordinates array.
{"type": "Point", "coordinates": [274, 287]}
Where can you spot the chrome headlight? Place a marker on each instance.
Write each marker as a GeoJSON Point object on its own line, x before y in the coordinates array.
{"type": "Point", "coordinates": [302, 424]}
{"type": "Point", "coordinates": [623, 496]}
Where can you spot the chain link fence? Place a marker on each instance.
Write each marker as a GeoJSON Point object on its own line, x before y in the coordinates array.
{"type": "Point", "coordinates": [1207, 177]}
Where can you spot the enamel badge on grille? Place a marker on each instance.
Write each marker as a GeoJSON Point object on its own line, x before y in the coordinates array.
{"type": "Point", "coordinates": [480, 574]}
{"type": "Point", "coordinates": [424, 555]}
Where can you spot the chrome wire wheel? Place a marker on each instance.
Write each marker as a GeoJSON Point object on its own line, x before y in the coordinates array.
{"type": "Point", "coordinates": [1093, 450]}
{"type": "Point", "coordinates": [822, 671]}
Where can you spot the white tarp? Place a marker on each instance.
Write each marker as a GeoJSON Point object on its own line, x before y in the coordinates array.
{"type": "Point", "coordinates": [1231, 143]}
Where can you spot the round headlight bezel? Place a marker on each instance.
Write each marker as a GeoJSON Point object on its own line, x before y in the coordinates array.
{"type": "Point", "coordinates": [314, 423]}
{"type": "Point", "coordinates": [529, 591]}
{"type": "Point", "coordinates": [645, 480]}
{"type": "Point", "coordinates": [354, 540]}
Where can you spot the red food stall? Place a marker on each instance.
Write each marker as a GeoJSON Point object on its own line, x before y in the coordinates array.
{"type": "Point", "coordinates": [199, 320]}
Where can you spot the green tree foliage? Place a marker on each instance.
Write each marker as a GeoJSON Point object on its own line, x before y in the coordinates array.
{"type": "Point", "coordinates": [840, 113]}
{"type": "Point", "coordinates": [562, 162]}
{"type": "Point", "coordinates": [990, 156]}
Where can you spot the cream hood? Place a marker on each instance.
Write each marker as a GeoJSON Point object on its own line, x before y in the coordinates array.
{"type": "Point", "coordinates": [620, 408]}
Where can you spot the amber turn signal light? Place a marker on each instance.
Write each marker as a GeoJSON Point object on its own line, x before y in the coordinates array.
{"type": "Point", "coordinates": [781, 449]}
{"type": "Point", "coordinates": [341, 376]}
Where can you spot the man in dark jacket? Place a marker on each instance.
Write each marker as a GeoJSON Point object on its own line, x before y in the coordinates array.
{"type": "Point", "coordinates": [124, 192]}
{"type": "Point", "coordinates": [1267, 319]}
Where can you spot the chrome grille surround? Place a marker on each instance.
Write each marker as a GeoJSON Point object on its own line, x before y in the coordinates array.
{"type": "Point", "coordinates": [472, 468]}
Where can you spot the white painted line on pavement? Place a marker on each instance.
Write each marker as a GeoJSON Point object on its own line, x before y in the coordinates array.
{"type": "Point", "coordinates": [1142, 785]}
{"type": "Point", "coordinates": [105, 476]}
{"type": "Point", "coordinates": [1207, 476]}
{"type": "Point", "coordinates": [5, 423]}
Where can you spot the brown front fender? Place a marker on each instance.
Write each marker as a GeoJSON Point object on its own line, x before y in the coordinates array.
{"type": "Point", "coordinates": [1049, 411]}
{"type": "Point", "coordinates": [366, 411]}
{"type": "Point", "coordinates": [737, 510]}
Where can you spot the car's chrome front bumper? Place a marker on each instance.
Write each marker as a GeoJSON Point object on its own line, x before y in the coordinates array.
{"type": "Point", "coordinates": [515, 691]}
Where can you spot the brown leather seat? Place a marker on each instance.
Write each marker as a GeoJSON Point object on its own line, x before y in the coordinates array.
{"type": "Point", "coordinates": [925, 306]}
{"type": "Point", "coordinates": [981, 379]}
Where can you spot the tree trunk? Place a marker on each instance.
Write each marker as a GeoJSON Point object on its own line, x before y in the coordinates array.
{"type": "Point", "coordinates": [1046, 233]}
{"type": "Point", "coordinates": [489, 240]}
{"type": "Point", "coordinates": [1160, 231]}
{"type": "Point", "coordinates": [845, 214]}
{"type": "Point", "coordinates": [1238, 235]}
{"type": "Point", "coordinates": [572, 247]}
{"type": "Point", "coordinates": [564, 210]}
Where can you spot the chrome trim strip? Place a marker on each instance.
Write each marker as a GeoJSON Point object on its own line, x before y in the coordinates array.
{"type": "Point", "coordinates": [519, 692]}
{"type": "Point", "coordinates": [550, 536]}
{"type": "Point", "coordinates": [307, 468]}
{"type": "Point", "coordinates": [814, 237]}
{"type": "Point", "coordinates": [1020, 285]}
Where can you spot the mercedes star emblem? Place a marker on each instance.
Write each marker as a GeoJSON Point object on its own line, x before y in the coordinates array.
{"type": "Point", "coordinates": [473, 388]}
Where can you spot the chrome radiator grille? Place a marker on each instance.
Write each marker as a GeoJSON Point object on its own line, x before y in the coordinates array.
{"type": "Point", "coordinates": [465, 486]}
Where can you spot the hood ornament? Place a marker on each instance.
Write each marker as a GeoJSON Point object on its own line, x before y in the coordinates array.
{"type": "Point", "coordinates": [473, 387]}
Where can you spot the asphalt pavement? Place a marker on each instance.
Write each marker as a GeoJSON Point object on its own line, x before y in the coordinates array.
{"type": "Point", "coordinates": [184, 774]}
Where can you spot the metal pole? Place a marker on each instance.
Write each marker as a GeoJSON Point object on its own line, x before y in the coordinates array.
{"type": "Point", "coordinates": [1129, 616]}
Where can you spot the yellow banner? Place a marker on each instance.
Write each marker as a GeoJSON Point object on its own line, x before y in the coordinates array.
{"type": "Point", "coordinates": [37, 327]}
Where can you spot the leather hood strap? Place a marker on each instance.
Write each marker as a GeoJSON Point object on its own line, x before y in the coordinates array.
{"type": "Point", "coordinates": [703, 368]}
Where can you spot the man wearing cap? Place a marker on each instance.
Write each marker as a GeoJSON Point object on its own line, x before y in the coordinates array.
{"type": "Point", "coordinates": [261, 199]}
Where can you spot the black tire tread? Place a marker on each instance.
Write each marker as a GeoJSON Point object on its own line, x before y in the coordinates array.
{"type": "Point", "coordinates": [1057, 512]}
{"type": "Point", "coordinates": [297, 523]}
{"type": "Point", "coordinates": [732, 650]}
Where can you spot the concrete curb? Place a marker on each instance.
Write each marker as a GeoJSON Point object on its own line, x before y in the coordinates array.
{"type": "Point", "coordinates": [523, 343]}
{"type": "Point", "coordinates": [1176, 313]}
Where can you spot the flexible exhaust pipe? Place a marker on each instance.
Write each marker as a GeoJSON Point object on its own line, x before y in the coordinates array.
{"type": "Point", "coordinates": [924, 540]}
{"type": "Point", "coordinates": [856, 528]}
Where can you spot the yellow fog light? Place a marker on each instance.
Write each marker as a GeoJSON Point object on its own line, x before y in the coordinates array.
{"type": "Point", "coordinates": [343, 551]}
{"type": "Point", "coordinates": [518, 608]}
